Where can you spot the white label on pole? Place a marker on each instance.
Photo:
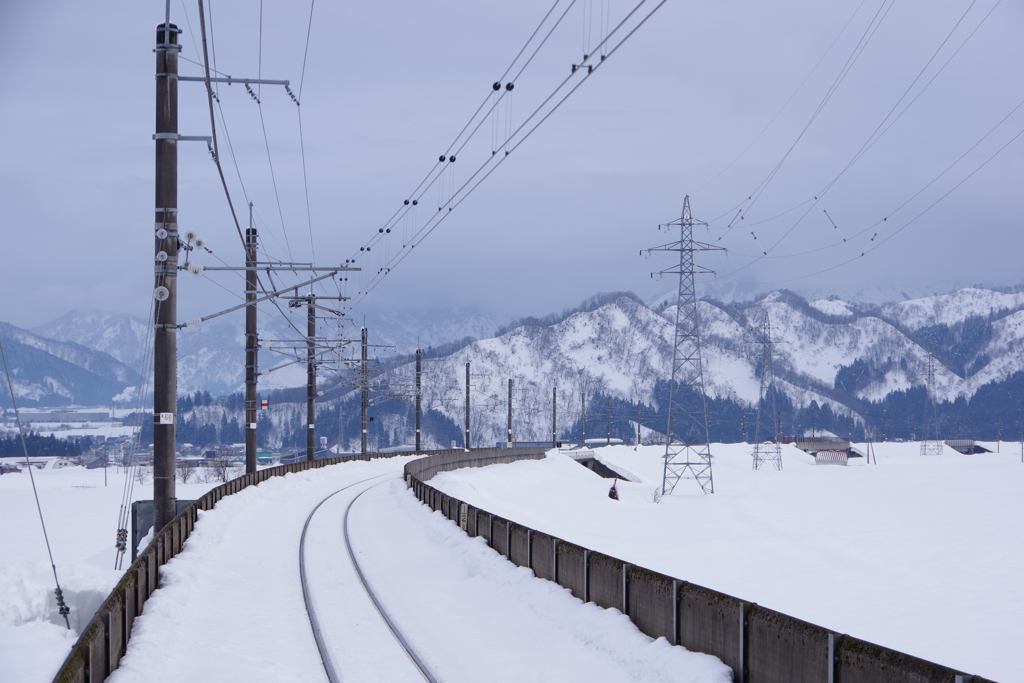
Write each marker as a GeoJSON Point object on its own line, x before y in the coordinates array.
{"type": "Point", "coordinates": [252, 425]}
{"type": "Point", "coordinates": [312, 426]}
{"type": "Point", "coordinates": [166, 419]}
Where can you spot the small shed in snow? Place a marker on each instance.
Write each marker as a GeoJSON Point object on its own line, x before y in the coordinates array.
{"type": "Point", "coordinates": [831, 457]}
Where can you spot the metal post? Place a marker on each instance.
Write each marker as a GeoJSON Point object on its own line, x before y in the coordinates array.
{"type": "Point", "coordinates": [554, 416]}
{"type": "Point", "coordinates": [609, 421]}
{"type": "Point", "coordinates": [509, 412]}
{"type": "Point", "coordinates": [583, 420]}
{"type": "Point", "coordinates": [364, 391]}
{"type": "Point", "coordinates": [467, 407]}
{"type": "Point", "coordinates": [419, 396]}
{"type": "Point", "coordinates": [832, 657]}
{"type": "Point", "coordinates": [250, 347]}
{"type": "Point", "coordinates": [310, 379]}
{"type": "Point", "coordinates": [165, 341]}
{"type": "Point", "coordinates": [741, 675]}
{"type": "Point", "coordinates": [639, 435]}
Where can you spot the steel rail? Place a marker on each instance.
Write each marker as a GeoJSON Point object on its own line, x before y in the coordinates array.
{"type": "Point", "coordinates": [332, 674]}
{"type": "Point", "coordinates": [424, 670]}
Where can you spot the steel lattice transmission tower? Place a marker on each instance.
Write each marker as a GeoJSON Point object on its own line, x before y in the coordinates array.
{"type": "Point", "coordinates": [766, 430]}
{"type": "Point", "coordinates": [931, 445]}
{"type": "Point", "coordinates": [687, 449]}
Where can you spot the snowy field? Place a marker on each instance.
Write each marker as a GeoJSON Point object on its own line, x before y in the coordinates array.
{"type": "Point", "coordinates": [81, 520]}
{"type": "Point", "coordinates": [921, 554]}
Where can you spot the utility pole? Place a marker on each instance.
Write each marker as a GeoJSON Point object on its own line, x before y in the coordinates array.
{"type": "Point", "coordinates": [364, 391]}
{"type": "Point", "coordinates": [310, 378]}
{"type": "Point", "coordinates": [419, 396]}
{"type": "Point", "coordinates": [467, 407]}
{"type": "Point", "coordinates": [251, 357]}
{"type": "Point", "coordinates": [999, 436]}
{"type": "Point", "coordinates": [609, 421]}
{"type": "Point", "coordinates": [510, 412]}
{"type": "Point", "coordinates": [638, 416]}
{"type": "Point", "coordinates": [583, 420]}
{"type": "Point", "coordinates": [884, 425]}
{"type": "Point", "coordinates": [554, 416]}
{"type": "Point", "coordinates": [165, 339]}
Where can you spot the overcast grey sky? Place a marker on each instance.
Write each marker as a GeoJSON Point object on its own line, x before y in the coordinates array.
{"type": "Point", "coordinates": [388, 85]}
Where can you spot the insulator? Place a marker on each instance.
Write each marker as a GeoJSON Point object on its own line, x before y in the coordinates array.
{"type": "Point", "coordinates": [161, 234]}
{"type": "Point", "coordinates": [161, 256]}
{"type": "Point", "coordinates": [441, 158]}
{"type": "Point", "coordinates": [190, 235]}
{"type": "Point", "coordinates": [381, 230]}
{"type": "Point", "coordinates": [407, 202]}
{"type": "Point", "coordinates": [509, 86]}
{"type": "Point", "coordinates": [415, 202]}
{"type": "Point", "coordinates": [362, 248]}
{"type": "Point", "coordinates": [388, 230]}
{"type": "Point", "coordinates": [496, 86]}
{"type": "Point", "coordinates": [451, 159]}
{"type": "Point", "coordinates": [161, 293]}
{"type": "Point", "coordinates": [200, 243]}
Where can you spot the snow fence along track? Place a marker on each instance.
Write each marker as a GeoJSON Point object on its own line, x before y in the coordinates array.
{"type": "Point", "coordinates": [759, 644]}
{"type": "Point", "coordinates": [103, 642]}
{"type": "Point", "coordinates": [325, 655]}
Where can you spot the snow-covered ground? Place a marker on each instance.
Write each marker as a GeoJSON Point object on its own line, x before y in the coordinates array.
{"type": "Point", "coordinates": [81, 521]}
{"type": "Point", "coordinates": [921, 554]}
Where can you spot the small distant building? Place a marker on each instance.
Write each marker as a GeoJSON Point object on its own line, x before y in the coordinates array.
{"type": "Point", "coordinates": [966, 446]}
{"type": "Point", "coordinates": [61, 463]}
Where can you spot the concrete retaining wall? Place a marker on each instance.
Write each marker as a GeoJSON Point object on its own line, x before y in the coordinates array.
{"type": "Point", "coordinates": [759, 644]}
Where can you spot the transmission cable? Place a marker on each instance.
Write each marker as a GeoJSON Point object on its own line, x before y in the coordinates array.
{"type": "Point", "coordinates": [62, 607]}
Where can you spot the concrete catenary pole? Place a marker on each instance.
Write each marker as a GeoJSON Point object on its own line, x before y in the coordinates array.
{"type": "Point", "coordinates": [509, 411]}
{"type": "Point", "coordinates": [310, 378]}
{"type": "Point", "coordinates": [250, 347]}
{"type": "Point", "coordinates": [364, 396]}
{"type": "Point", "coordinates": [419, 397]}
{"type": "Point", "coordinates": [467, 407]}
{"type": "Point", "coordinates": [165, 340]}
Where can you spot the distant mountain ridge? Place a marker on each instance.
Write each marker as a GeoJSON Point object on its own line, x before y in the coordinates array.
{"type": "Point", "coordinates": [49, 372]}
{"type": "Point", "coordinates": [838, 353]}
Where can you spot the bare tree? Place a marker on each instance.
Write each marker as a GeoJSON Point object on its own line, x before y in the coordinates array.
{"type": "Point", "coordinates": [186, 470]}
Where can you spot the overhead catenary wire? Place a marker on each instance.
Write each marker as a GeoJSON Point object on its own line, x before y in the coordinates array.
{"type": "Point", "coordinates": [581, 73]}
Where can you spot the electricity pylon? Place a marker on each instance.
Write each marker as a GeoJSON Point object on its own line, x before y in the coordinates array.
{"type": "Point", "coordinates": [931, 445]}
{"type": "Point", "coordinates": [687, 448]}
{"type": "Point", "coordinates": [766, 430]}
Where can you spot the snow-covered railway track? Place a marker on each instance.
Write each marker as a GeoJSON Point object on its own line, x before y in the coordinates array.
{"type": "Point", "coordinates": [331, 667]}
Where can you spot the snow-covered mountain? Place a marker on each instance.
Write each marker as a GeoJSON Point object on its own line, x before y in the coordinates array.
{"type": "Point", "coordinates": [833, 352]}
{"type": "Point", "coordinates": [50, 372]}
{"type": "Point", "coordinates": [211, 355]}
